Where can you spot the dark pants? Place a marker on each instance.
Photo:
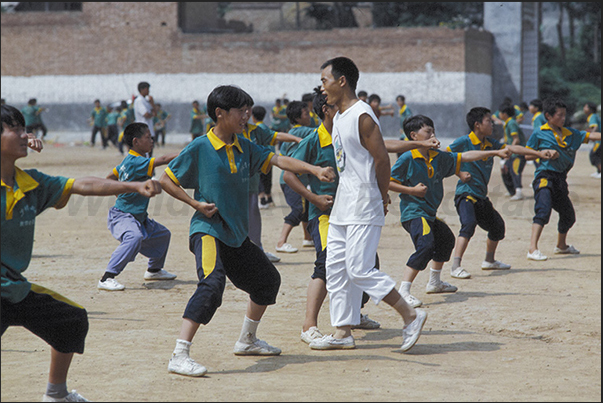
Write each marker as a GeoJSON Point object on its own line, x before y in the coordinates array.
{"type": "Point", "coordinates": [595, 157]}
{"type": "Point", "coordinates": [474, 211]}
{"type": "Point", "coordinates": [160, 132]}
{"type": "Point", "coordinates": [112, 135]}
{"type": "Point", "coordinates": [102, 130]}
{"type": "Point", "coordinates": [299, 206]}
{"type": "Point", "coordinates": [35, 127]}
{"type": "Point", "coordinates": [58, 321]}
{"type": "Point", "coordinates": [266, 182]}
{"type": "Point", "coordinates": [511, 173]}
{"type": "Point", "coordinates": [247, 267]}
{"type": "Point", "coordinates": [433, 240]}
{"type": "Point", "coordinates": [552, 193]}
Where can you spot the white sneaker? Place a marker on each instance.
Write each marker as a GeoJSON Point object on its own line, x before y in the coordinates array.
{"type": "Point", "coordinates": [272, 257]}
{"type": "Point", "coordinates": [286, 248]}
{"type": "Point", "coordinates": [367, 323]}
{"type": "Point", "coordinates": [412, 300]}
{"type": "Point", "coordinates": [184, 365]}
{"type": "Point", "coordinates": [459, 272]}
{"type": "Point", "coordinates": [596, 175]}
{"type": "Point", "coordinates": [311, 334]}
{"type": "Point", "coordinates": [308, 243]}
{"type": "Point", "coordinates": [71, 397]}
{"type": "Point", "coordinates": [258, 347]}
{"type": "Point", "coordinates": [110, 284]}
{"type": "Point", "coordinates": [570, 250]}
{"type": "Point", "coordinates": [440, 288]}
{"type": "Point", "coordinates": [331, 343]}
{"type": "Point", "coordinates": [537, 255]}
{"type": "Point", "coordinates": [412, 331]}
{"type": "Point", "coordinates": [496, 265]}
{"type": "Point", "coordinates": [160, 275]}
{"type": "Point", "coordinates": [517, 197]}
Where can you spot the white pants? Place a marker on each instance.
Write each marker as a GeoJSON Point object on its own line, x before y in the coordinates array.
{"type": "Point", "coordinates": [350, 265]}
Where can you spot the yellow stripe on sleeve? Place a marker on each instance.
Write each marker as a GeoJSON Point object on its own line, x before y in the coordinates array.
{"type": "Point", "coordinates": [273, 141]}
{"type": "Point", "coordinates": [65, 195]}
{"type": "Point", "coordinates": [586, 138]}
{"type": "Point", "coordinates": [458, 164]}
{"type": "Point", "coordinates": [151, 167]}
{"type": "Point", "coordinates": [266, 165]}
{"type": "Point", "coordinates": [169, 173]}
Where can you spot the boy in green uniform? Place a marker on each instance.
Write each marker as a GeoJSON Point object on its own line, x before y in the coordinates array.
{"type": "Point", "coordinates": [551, 191]}
{"type": "Point", "coordinates": [280, 121]}
{"type": "Point", "coordinates": [33, 118]}
{"type": "Point", "coordinates": [258, 113]}
{"type": "Point", "coordinates": [197, 121]}
{"type": "Point", "coordinates": [218, 166]}
{"type": "Point", "coordinates": [404, 112]}
{"type": "Point", "coordinates": [63, 324]}
{"type": "Point", "coordinates": [98, 123]}
{"type": "Point", "coordinates": [111, 123]}
{"type": "Point", "coordinates": [418, 177]}
{"type": "Point", "coordinates": [261, 135]}
{"type": "Point", "coordinates": [128, 219]}
{"type": "Point", "coordinates": [159, 121]}
{"type": "Point", "coordinates": [299, 115]}
{"type": "Point", "coordinates": [513, 168]}
{"type": "Point", "coordinates": [471, 197]}
{"type": "Point", "coordinates": [126, 117]}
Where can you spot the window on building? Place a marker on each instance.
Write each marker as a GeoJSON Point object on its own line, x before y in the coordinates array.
{"type": "Point", "coordinates": [45, 6]}
{"type": "Point", "coordinates": [207, 17]}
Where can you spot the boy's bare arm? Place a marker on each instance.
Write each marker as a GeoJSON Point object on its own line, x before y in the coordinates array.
{"type": "Point", "coordinates": [177, 192]}
{"type": "Point", "coordinates": [326, 174]}
{"type": "Point", "coordinates": [323, 202]}
{"type": "Point", "coordinates": [93, 186]}
{"type": "Point", "coordinates": [165, 159]}
{"type": "Point", "coordinates": [401, 146]}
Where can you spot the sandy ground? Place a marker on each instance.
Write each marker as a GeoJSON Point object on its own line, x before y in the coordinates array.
{"type": "Point", "coordinates": [532, 333]}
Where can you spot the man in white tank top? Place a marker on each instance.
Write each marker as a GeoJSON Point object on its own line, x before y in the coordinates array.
{"type": "Point", "coordinates": [358, 213]}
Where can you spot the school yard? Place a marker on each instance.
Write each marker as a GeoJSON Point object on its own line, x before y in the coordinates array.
{"type": "Point", "coordinates": [532, 333]}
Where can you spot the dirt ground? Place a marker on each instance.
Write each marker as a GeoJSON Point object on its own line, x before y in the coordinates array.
{"type": "Point", "coordinates": [532, 333]}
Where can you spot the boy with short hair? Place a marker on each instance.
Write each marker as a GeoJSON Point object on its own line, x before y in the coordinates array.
{"type": "Point", "coordinates": [218, 166]}
{"type": "Point", "coordinates": [63, 324]}
{"type": "Point", "coordinates": [263, 136]}
{"type": "Point", "coordinates": [128, 219]}
{"type": "Point", "coordinates": [159, 122]}
{"type": "Point", "coordinates": [299, 115]}
{"type": "Point", "coordinates": [258, 114]}
{"type": "Point", "coordinates": [98, 123]}
{"type": "Point", "coordinates": [418, 176]}
{"type": "Point", "coordinates": [111, 122]}
{"type": "Point", "coordinates": [197, 121]}
{"type": "Point", "coordinates": [513, 168]}
{"type": "Point", "coordinates": [550, 178]}
{"type": "Point", "coordinates": [403, 113]}
{"type": "Point", "coordinates": [471, 196]}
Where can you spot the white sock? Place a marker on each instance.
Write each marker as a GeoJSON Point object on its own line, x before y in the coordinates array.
{"type": "Point", "coordinates": [248, 331]}
{"type": "Point", "coordinates": [182, 347]}
{"type": "Point", "coordinates": [405, 288]}
{"type": "Point", "coordinates": [518, 192]}
{"type": "Point", "coordinates": [434, 276]}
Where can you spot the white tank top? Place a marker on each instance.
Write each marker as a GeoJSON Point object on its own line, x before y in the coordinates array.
{"type": "Point", "coordinates": [358, 200]}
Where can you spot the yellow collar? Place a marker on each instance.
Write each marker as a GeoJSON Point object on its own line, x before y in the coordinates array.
{"type": "Point", "coordinates": [417, 154]}
{"type": "Point", "coordinates": [296, 126]}
{"type": "Point", "coordinates": [536, 115]}
{"type": "Point", "coordinates": [403, 109]}
{"type": "Point", "coordinates": [564, 133]}
{"type": "Point", "coordinates": [324, 136]}
{"type": "Point", "coordinates": [218, 143]}
{"type": "Point", "coordinates": [247, 131]}
{"type": "Point", "coordinates": [25, 183]}
{"type": "Point", "coordinates": [475, 141]}
{"type": "Point", "coordinates": [134, 153]}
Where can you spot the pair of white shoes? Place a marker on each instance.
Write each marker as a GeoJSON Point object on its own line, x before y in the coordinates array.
{"type": "Point", "coordinates": [537, 255]}
{"type": "Point", "coordinates": [461, 273]}
{"type": "Point", "coordinates": [111, 284]}
{"type": "Point", "coordinates": [184, 365]}
{"type": "Point", "coordinates": [288, 248]}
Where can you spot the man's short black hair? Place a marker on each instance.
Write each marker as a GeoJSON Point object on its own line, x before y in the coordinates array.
{"type": "Point", "coordinates": [134, 130]}
{"type": "Point", "coordinates": [592, 107]}
{"type": "Point", "coordinates": [374, 97]}
{"type": "Point", "coordinates": [142, 85]}
{"type": "Point", "coordinates": [226, 97]}
{"type": "Point", "coordinates": [343, 66]}
{"type": "Point", "coordinates": [415, 123]}
{"type": "Point", "coordinates": [320, 100]}
{"type": "Point", "coordinates": [507, 109]}
{"type": "Point", "coordinates": [32, 101]}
